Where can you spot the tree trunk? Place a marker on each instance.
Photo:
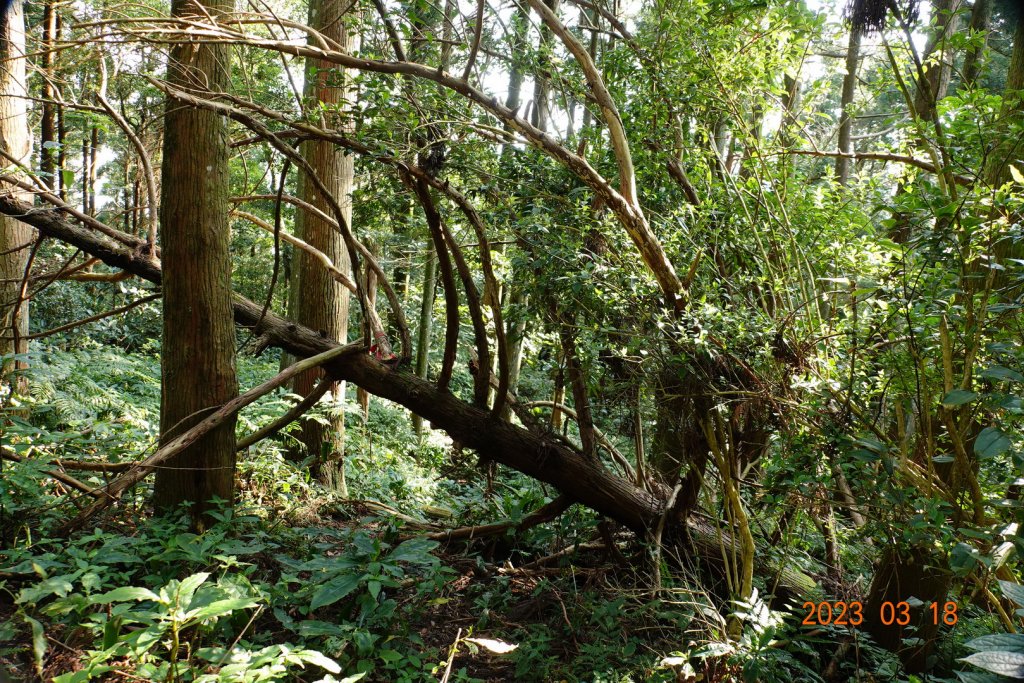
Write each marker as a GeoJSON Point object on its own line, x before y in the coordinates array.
{"type": "Point", "coordinates": [939, 59]}
{"type": "Point", "coordinates": [541, 83]}
{"type": "Point", "coordinates": [198, 359]}
{"type": "Point", "coordinates": [846, 107]}
{"type": "Point", "coordinates": [321, 303]}
{"type": "Point", "coordinates": [48, 126]}
{"type": "Point", "coordinates": [902, 575]}
{"type": "Point", "coordinates": [426, 323]}
{"type": "Point", "coordinates": [981, 21]}
{"type": "Point", "coordinates": [15, 237]}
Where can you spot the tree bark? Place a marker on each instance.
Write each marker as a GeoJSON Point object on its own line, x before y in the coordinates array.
{"type": "Point", "coordinates": [48, 126]}
{"type": "Point", "coordinates": [426, 323]}
{"type": "Point", "coordinates": [15, 237]}
{"type": "Point", "coordinates": [938, 72]}
{"type": "Point", "coordinates": [321, 302]}
{"type": "Point", "coordinates": [198, 359]}
{"type": "Point", "coordinates": [846, 105]}
{"type": "Point", "coordinates": [538, 455]}
{"type": "Point", "coordinates": [981, 21]}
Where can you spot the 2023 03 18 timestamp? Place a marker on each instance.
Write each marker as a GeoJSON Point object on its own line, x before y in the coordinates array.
{"type": "Point", "coordinates": [853, 613]}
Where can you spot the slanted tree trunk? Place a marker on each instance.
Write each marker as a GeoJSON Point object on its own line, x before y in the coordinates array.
{"type": "Point", "coordinates": [846, 106]}
{"type": "Point", "coordinates": [321, 302]}
{"type": "Point", "coordinates": [198, 358]}
{"type": "Point", "coordinates": [15, 237]}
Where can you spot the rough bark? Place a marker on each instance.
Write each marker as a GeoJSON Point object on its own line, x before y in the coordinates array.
{"type": "Point", "coordinates": [198, 359]}
{"type": "Point", "coordinates": [15, 237]}
{"type": "Point", "coordinates": [321, 302]}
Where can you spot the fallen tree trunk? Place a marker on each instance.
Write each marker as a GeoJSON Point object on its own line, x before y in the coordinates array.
{"type": "Point", "coordinates": [547, 459]}
{"type": "Point", "coordinates": [535, 454]}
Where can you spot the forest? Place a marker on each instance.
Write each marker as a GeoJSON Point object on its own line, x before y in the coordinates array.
{"type": "Point", "coordinates": [511, 340]}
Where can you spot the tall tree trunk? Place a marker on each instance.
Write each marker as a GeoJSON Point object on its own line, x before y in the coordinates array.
{"type": "Point", "coordinates": [321, 302]}
{"type": "Point", "coordinates": [426, 323]}
{"type": "Point", "coordinates": [15, 237]}
{"type": "Point", "coordinates": [94, 146]}
{"type": "Point", "coordinates": [542, 82]}
{"type": "Point", "coordinates": [48, 126]}
{"type": "Point", "coordinates": [981, 21]}
{"type": "Point", "coordinates": [939, 59]}
{"type": "Point", "coordinates": [846, 106]}
{"type": "Point", "coordinates": [198, 359]}
{"type": "Point", "coordinates": [1011, 148]}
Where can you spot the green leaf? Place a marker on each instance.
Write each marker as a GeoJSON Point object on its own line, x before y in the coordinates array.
{"type": "Point", "coordinates": [125, 594]}
{"type": "Point", "coordinates": [1002, 663]}
{"type": "Point", "coordinates": [1013, 591]}
{"type": "Point", "coordinates": [374, 588]}
{"type": "Point", "coordinates": [991, 442]}
{"type": "Point", "coordinates": [220, 608]}
{"type": "Point", "coordinates": [414, 550]}
{"type": "Point", "coordinates": [335, 590]}
{"type": "Point", "coordinates": [189, 586]}
{"type": "Point", "coordinates": [68, 176]}
{"type": "Point", "coordinates": [998, 372]}
{"type": "Point", "coordinates": [958, 397]}
{"type": "Point", "coordinates": [1007, 642]}
{"type": "Point", "coordinates": [319, 659]}
{"type": "Point", "coordinates": [38, 644]}
{"type": "Point", "coordinates": [1018, 177]}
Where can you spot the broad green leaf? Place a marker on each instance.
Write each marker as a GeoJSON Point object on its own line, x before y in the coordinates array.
{"type": "Point", "coordinates": [189, 585]}
{"type": "Point", "coordinates": [319, 659]}
{"type": "Point", "coordinates": [998, 662]}
{"type": "Point", "coordinates": [1014, 591]}
{"type": "Point", "coordinates": [220, 608]}
{"type": "Point", "coordinates": [374, 588]}
{"type": "Point", "coordinates": [1018, 177]}
{"type": "Point", "coordinates": [1007, 642]}
{"type": "Point", "coordinates": [979, 677]}
{"type": "Point", "coordinates": [958, 397]}
{"type": "Point", "coordinates": [413, 550]}
{"type": "Point", "coordinates": [125, 594]}
{"type": "Point", "coordinates": [335, 590]}
{"type": "Point", "coordinates": [998, 372]}
{"type": "Point", "coordinates": [991, 442]}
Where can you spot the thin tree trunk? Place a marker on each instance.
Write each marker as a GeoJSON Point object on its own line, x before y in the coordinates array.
{"type": "Point", "coordinates": [48, 125]}
{"type": "Point", "coordinates": [321, 302]}
{"type": "Point", "coordinates": [94, 146]}
{"type": "Point", "coordinates": [198, 359]}
{"type": "Point", "coordinates": [542, 83]}
{"type": "Point", "coordinates": [846, 107]}
{"type": "Point", "coordinates": [426, 323]}
{"type": "Point", "coordinates": [362, 395]}
{"type": "Point", "coordinates": [16, 238]}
